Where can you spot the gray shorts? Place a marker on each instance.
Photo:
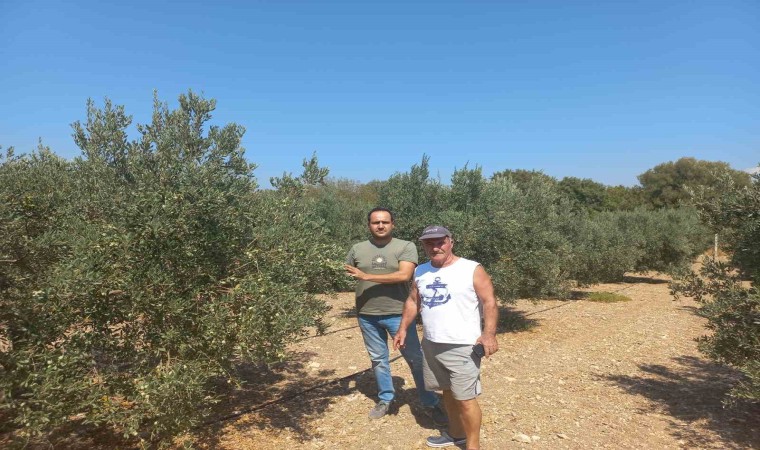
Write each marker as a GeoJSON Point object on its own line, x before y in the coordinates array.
{"type": "Point", "coordinates": [451, 367]}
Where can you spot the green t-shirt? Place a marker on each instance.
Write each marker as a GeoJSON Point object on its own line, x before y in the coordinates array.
{"type": "Point", "coordinates": [378, 299]}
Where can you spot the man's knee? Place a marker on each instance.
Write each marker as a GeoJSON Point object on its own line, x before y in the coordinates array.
{"type": "Point", "coordinates": [378, 359]}
{"type": "Point", "coordinates": [470, 405]}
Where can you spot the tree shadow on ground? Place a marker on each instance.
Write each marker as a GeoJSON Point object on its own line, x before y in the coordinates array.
{"type": "Point", "coordinates": [346, 313]}
{"type": "Point", "coordinates": [74, 435]}
{"type": "Point", "coordinates": [634, 279]}
{"type": "Point", "coordinates": [282, 396]}
{"type": "Point", "coordinates": [692, 309]}
{"type": "Point", "coordinates": [577, 295]}
{"type": "Point", "coordinates": [327, 332]}
{"type": "Point", "coordinates": [513, 321]}
{"type": "Point", "coordinates": [694, 392]}
{"type": "Point", "coordinates": [289, 396]}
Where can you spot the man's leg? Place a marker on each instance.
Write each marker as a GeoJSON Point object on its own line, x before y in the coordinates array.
{"type": "Point", "coordinates": [412, 353]}
{"type": "Point", "coordinates": [464, 419]}
{"type": "Point", "coordinates": [456, 428]}
{"type": "Point", "coordinates": [376, 343]}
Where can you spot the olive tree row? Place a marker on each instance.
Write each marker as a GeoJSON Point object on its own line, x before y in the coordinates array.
{"type": "Point", "coordinates": [135, 277]}
{"type": "Point", "coordinates": [533, 238]}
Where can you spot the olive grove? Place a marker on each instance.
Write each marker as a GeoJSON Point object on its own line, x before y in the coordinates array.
{"type": "Point", "coordinates": [136, 278]}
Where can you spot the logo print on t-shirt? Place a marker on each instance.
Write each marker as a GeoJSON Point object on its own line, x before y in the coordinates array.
{"type": "Point", "coordinates": [379, 262]}
{"type": "Point", "coordinates": [435, 294]}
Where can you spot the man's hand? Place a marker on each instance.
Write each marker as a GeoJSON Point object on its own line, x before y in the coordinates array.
{"type": "Point", "coordinates": [490, 344]}
{"type": "Point", "coordinates": [399, 339]}
{"type": "Point", "coordinates": [354, 272]}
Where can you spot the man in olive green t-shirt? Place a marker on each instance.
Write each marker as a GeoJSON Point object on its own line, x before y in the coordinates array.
{"type": "Point", "coordinates": [383, 266]}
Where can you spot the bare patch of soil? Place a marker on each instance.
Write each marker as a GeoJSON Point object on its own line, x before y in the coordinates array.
{"type": "Point", "coordinates": [570, 374]}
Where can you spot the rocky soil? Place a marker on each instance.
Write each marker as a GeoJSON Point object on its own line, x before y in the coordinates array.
{"type": "Point", "coordinates": [570, 375]}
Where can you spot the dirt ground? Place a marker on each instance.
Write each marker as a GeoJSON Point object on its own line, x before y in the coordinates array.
{"type": "Point", "coordinates": [569, 375]}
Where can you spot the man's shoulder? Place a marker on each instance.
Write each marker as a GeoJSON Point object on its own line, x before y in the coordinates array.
{"type": "Point", "coordinates": [400, 243]}
{"type": "Point", "coordinates": [422, 269]}
{"type": "Point", "coordinates": [468, 262]}
{"type": "Point", "coordinates": [361, 243]}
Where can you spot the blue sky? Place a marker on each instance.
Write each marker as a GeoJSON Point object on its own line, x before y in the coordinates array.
{"type": "Point", "coordinates": [601, 90]}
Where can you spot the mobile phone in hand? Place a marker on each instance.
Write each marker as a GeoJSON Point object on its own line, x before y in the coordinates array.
{"type": "Point", "coordinates": [479, 350]}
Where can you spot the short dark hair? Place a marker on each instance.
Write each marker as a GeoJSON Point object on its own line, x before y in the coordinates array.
{"type": "Point", "coordinates": [381, 208]}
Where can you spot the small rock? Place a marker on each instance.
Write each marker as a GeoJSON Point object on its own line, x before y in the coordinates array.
{"type": "Point", "coordinates": [519, 437]}
{"type": "Point", "coordinates": [561, 436]}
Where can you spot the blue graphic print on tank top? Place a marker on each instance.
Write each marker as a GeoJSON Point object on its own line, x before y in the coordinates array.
{"type": "Point", "coordinates": [435, 294]}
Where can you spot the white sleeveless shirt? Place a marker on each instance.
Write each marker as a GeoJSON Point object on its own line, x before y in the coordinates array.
{"type": "Point", "coordinates": [451, 310]}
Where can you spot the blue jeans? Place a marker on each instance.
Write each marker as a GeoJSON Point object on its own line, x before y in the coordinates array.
{"type": "Point", "coordinates": [375, 331]}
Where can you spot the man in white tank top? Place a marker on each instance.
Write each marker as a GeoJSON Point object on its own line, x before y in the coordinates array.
{"type": "Point", "coordinates": [452, 293]}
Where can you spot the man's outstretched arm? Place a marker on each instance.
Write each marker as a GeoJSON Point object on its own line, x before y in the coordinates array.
{"type": "Point", "coordinates": [403, 274]}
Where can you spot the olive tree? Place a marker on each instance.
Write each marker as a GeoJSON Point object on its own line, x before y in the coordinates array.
{"type": "Point", "coordinates": [135, 277]}
{"type": "Point", "coordinates": [728, 291]}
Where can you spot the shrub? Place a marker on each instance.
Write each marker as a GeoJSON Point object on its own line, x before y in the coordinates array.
{"type": "Point", "coordinates": [731, 307]}
{"type": "Point", "coordinates": [733, 317]}
{"type": "Point", "coordinates": [516, 233]}
{"type": "Point", "coordinates": [602, 252]}
{"type": "Point", "coordinates": [415, 199]}
{"type": "Point", "coordinates": [138, 275]}
{"type": "Point", "coordinates": [666, 240]}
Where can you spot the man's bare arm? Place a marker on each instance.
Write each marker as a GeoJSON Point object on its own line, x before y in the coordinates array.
{"type": "Point", "coordinates": [411, 309]}
{"type": "Point", "coordinates": [484, 291]}
{"type": "Point", "coordinates": [404, 273]}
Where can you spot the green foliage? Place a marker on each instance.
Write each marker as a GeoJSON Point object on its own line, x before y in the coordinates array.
{"type": "Point", "coordinates": [585, 192]}
{"type": "Point", "coordinates": [532, 238]}
{"type": "Point", "coordinates": [733, 317]}
{"type": "Point", "coordinates": [343, 206]}
{"type": "Point", "coordinates": [733, 211]}
{"type": "Point", "coordinates": [522, 177]}
{"type": "Point", "coordinates": [415, 199]}
{"type": "Point", "coordinates": [517, 236]}
{"type": "Point", "coordinates": [669, 184]}
{"type": "Point", "coordinates": [467, 186]}
{"type": "Point", "coordinates": [588, 194]}
{"type": "Point", "coordinates": [666, 240]}
{"type": "Point", "coordinates": [731, 307]}
{"type": "Point", "coordinates": [602, 252]}
{"type": "Point", "coordinates": [621, 198]}
{"type": "Point", "coordinates": [135, 277]}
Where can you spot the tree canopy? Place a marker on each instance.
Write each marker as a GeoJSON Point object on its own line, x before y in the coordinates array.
{"type": "Point", "coordinates": [670, 184]}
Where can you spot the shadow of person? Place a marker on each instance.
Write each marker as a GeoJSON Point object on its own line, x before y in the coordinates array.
{"type": "Point", "coordinates": [405, 395]}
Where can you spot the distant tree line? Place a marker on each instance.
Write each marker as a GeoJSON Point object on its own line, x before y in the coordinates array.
{"type": "Point", "coordinates": [137, 277]}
